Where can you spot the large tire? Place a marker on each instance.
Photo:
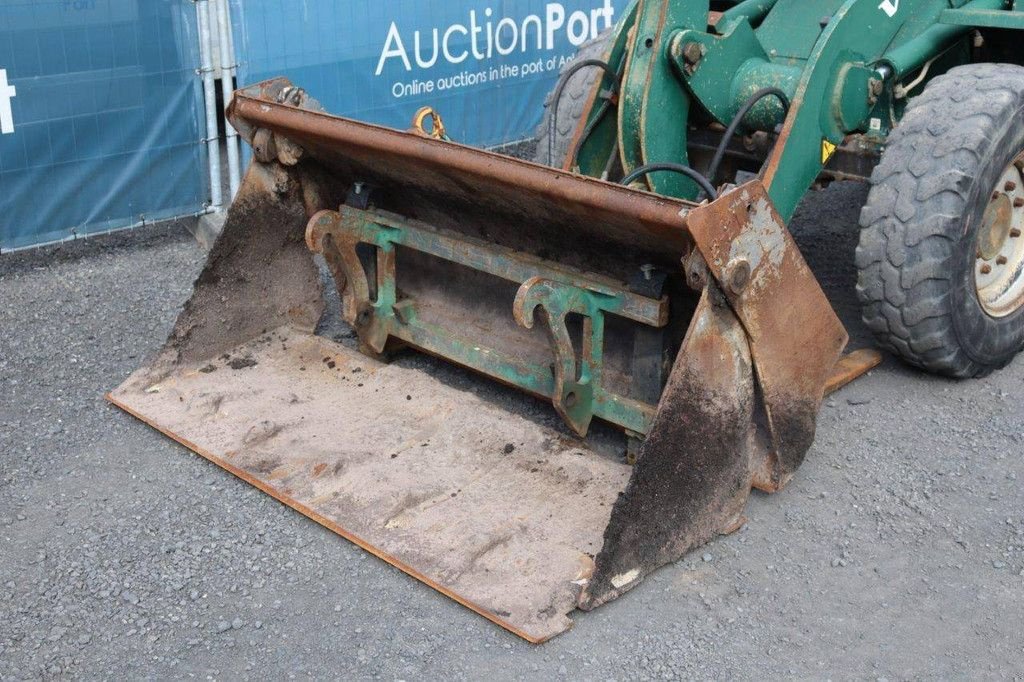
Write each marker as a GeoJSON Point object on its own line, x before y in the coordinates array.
{"type": "Point", "coordinates": [570, 110]}
{"type": "Point", "coordinates": [919, 256]}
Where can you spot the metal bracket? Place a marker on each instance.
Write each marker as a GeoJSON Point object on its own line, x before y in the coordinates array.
{"type": "Point", "coordinates": [327, 235]}
{"type": "Point", "coordinates": [650, 364]}
{"type": "Point", "coordinates": [574, 378]}
{"type": "Point", "coordinates": [370, 304]}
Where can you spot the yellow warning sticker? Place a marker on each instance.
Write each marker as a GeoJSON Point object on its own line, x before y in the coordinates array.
{"type": "Point", "coordinates": [827, 150]}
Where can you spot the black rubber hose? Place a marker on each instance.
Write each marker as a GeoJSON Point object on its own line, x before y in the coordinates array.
{"type": "Point", "coordinates": [573, 70]}
{"type": "Point", "coordinates": [738, 119]}
{"type": "Point", "coordinates": [704, 183]}
{"type": "Point", "coordinates": [605, 108]}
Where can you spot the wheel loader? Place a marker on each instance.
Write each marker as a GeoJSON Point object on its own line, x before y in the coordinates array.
{"type": "Point", "coordinates": [657, 343]}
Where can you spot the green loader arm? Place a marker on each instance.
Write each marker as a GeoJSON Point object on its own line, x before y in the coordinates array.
{"type": "Point", "coordinates": [836, 62]}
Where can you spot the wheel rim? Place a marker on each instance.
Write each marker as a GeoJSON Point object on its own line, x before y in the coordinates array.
{"type": "Point", "coordinates": [999, 262]}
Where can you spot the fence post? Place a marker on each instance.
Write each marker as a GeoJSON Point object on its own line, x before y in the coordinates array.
{"type": "Point", "coordinates": [227, 77]}
{"type": "Point", "coordinates": [210, 95]}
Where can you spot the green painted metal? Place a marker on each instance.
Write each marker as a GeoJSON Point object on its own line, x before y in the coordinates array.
{"type": "Point", "coordinates": [829, 94]}
{"type": "Point", "coordinates": [577, 392]}
{"type": "Point", "coordinates": [792, 29]}
{"type": "Point", "coordinates": [732, 66]}
{"type": "Point", "coordinates": [654, 108]}
{"type": "Point", "coordinates": [912, 54]}
{"type": "Point", "coordinates": [826, 55]}
{"type": "Point", "coordinates": [836, 95]}
{"type": "Point", "coordinates": [596, 151]}
{"type": "Point", "coordinates": [710, 78]}
{"type": "Point", "coordinates": [984, 18]}
{"type": "Point", "coordinates": [755, 74]}
{"type": "Point", "coordinates": [747, 12]}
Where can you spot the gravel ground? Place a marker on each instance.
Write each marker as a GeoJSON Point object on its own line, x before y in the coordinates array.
{"type": "Point", "coordinates": [898, 551]}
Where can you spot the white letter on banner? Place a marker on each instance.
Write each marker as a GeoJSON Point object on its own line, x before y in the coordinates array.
{"type": "Point", "coordinates": [7, 93]}
{"type": "Point", "coordinates": [420, 61]}
{"type": "Point", "coordinates": [393, 47]}
{"type": "Point", "coordinates": [580, 34]}
{"type": "Point", "coordinates": [535, 20]}
{"type": "Point", "coordinates": [447, 49]}
{"type": "Point", "coordinates": [609, 14]}
{"type": "Point", "coordinates": [474, 31]}
{"type": "Point", "coordinates": [513, 30]}
{"type": "Point", "coordinates": [556, 19]}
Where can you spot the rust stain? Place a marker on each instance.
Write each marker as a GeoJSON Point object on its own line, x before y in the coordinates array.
{"type": "Point", "coordinates": [796, 338]}
{"type": "Point", "coordinates": [631, 217]}
{"type": "Point", "coordinates": [852, 366]}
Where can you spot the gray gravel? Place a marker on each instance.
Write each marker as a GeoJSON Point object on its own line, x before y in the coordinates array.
{"type": "Point", "coordinates": [898, 551]}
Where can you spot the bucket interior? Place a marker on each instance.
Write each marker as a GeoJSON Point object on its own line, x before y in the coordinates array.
{"type": "Point", "coordinates": [499, 511]}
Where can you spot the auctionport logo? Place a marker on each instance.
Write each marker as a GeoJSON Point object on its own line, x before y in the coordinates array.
{"type": "Point", "coordinates": [482, 36]}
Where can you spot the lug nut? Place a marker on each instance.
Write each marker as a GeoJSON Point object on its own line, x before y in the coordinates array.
{"type": "Point", "coordinates": [1001, 260]}
{"type": "Point", "coordinates": [986, 269]}
{"type": "Point", "coordinates": [1010, 186]}
{"type": "Point", "coordinates": [1018, 202]}
{"type": "Point", "coordinates": [1014, 232]}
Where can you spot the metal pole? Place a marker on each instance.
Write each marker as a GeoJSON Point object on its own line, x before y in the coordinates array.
{"type": "Point", "coordinates": [210, 94]}
{"type": "Point", "coordinates": [227, 74]}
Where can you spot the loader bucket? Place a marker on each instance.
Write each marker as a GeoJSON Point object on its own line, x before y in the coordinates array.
{"type": "Point", "coordinates": [691, 339]}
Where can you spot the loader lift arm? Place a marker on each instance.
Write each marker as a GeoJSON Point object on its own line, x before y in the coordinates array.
{"type": "Point", "coordinates": [836, 63]}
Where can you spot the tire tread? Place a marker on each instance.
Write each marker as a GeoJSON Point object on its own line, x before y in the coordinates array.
{"type": "Point", "coordinates": [912, 221]}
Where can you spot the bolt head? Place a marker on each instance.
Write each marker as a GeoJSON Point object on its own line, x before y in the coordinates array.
{"type": "Point", "coordinates": [738, 275]}
{"type": "Point", "coordinates": [692, 53]}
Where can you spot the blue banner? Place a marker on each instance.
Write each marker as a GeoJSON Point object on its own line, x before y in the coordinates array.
{"type": "Point", "coordinates": [100, 116]}
{"type": "Point", "coordinates": [486, 67]}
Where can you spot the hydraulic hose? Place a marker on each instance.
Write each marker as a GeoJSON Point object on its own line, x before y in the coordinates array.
{"type": "Point", "coordinates": [605, 107]}
{"type": "Point", "coordinates": [704, 183]}
{"type": "Point", "coordinates": [738, 119]}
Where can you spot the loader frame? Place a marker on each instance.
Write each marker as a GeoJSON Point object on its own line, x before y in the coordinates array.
{"type": "Point", "coordinates": [841, 73]}
{"type": "Point", "coordinates": [691, 323]}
